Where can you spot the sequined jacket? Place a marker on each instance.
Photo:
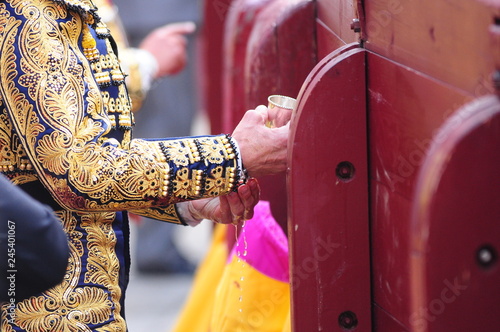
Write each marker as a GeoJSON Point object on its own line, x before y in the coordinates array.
{"type": "Point", "coordinates": [65, 136]}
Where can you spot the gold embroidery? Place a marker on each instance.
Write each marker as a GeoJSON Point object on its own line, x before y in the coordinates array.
{"type": "Point", "coordinates": [68, 307]}
{"type": "Point", "coordinates": [102, 177]}
{"type": "Point", "coordinates": [182, 184]}
{"type": "Point", "coordinates": [4, 318]}
{"type": "Point", "coordinates": [12, 155]}
{"type": "Point", "coordinates": [182, 153]}
{"type": "Point", "coordinates": [217, 183]}
{"type": "Point", "coordinates": [124, 108]}
{"type": "Point", "coordinates": [109, 107]}
{"type": "Point", "coordinates": [70, 146]}
{"type": "Point", "coordinates": [90, 47]}
{"type": "Point", "coordinates": [103, 265]}
{"type": "Point", "coordinates": [216, 149]}
{"type": "Point", "coordinates": [106, 71]}
{"type": "Point", "coordinates": [83, 5]}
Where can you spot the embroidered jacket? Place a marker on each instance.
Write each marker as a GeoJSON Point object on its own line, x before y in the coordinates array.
{"type": "Point", "coordinates": [65, 136]}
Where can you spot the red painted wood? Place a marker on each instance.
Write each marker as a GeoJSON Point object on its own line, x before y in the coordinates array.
{"type": "Point", "coordinates": [241, 19]}
{"type": "Point", "coordinates": [280, 54]}
{"type": "Point", "coordinates": [271, 49]}
{"type": "Point", "coordinates": [423, 61]}
{"type": "Point", "coordinates": [338, 16]}
{"type": "Point", "coordinates": [384, 321]}
{"type": "Point", "coordinates": [210, 61]}
{"type": "Point", "coordinates": [281, 50]}
{"type": "Point", "coordinates": [456, 212]}
{"type": "Point", "coordinates": [448, 40]}
{"type": "Point", "coordinates": [328, 218]}
{"type": "Point", "coordinates": [405, 110]}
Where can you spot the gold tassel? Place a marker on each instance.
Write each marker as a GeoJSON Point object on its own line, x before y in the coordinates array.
{"type": "Point", "coordinates": [89, 45]}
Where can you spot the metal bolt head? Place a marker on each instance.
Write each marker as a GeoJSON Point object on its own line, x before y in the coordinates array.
{"type": "Point", "coordinates": [356, 25]}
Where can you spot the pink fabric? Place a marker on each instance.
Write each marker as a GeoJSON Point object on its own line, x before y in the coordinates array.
{"type": "Point", "coordinates": [267, 245]}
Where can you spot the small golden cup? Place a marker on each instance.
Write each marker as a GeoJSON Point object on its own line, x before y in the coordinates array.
{"type": "Point", "coordinates": [280, 110]}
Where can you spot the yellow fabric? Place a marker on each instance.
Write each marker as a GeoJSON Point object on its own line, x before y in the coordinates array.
{"type": "Point", "coordinates": [197, 312]}
{"type": "Point", "coordinates": [288, 324]}
{"type": "Point", "coordinates": [265, 302]}
{"type": "Point", "coordinates": [214, 302]}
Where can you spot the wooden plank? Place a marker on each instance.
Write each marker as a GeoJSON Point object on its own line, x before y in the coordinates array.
{"type": "Point", "coordinates": [405, 110]}
{"type": "Point", "coordinates": [270, 50]}
{"type": "Point", "coordinates": [337, 17]}
{"type": "Point", "coordinates": [406, 107]}
{"type": "Point", "coordinates": [240, 21]}
{"type": "Point", "coordinates": [281, 50]}
{"type": "Point", "coordinates": [210, 60]}
{"type": "Point", "coordinates": [455, 231]}
{"type": "Point", "coordinates": [328, 41]}
{"type": "Point", "coordinates": [328, 210]}
{"type": "Point", "coordinates": [448, 40]}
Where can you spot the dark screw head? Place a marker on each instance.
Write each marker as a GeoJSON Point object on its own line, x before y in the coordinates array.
{"type": "Point", "coordinates": [348, 320]}
{"type": "Point", "coordinates": [345, 171]}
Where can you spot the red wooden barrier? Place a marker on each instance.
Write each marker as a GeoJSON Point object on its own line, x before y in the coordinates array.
{"type": "Point", "coordinates": [410, 242]}
{"type": "Point", "coordinates": [455, 233]}
{"type": "Point", "coordinates": [405, 109]}
{"type": "Point", "coordinates": [450, 41]}
{"type": "Point", "coordinates": [419, 72]}
{"type": "Point", "coordinates": [328, 191]}
{"type": "Point", "coordinates": [423, 65]}
{"type": "Point", "coordinates": [269, 49]}
{"type": "Point", "coordinates": [210, 61]}
{"type": "Point", "coordinates": [241, 19]}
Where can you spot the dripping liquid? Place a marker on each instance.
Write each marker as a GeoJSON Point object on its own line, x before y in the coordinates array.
{"type": "Point", "coordinates": [241, 253]}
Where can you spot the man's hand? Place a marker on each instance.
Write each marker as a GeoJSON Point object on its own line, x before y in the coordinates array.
{"type": "Point", "coordinates": [168, 45]}
{"type": "Point", "coordinates": [231, 208]}
{"type": "Point", "coordinates": [263, 150]}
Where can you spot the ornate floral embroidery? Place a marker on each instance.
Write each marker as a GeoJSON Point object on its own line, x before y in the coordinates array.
{"type": "Point", "coordinates": [68, 306]}
{"type": "Point", "coordinates": [217, 183]}
{"type": "Point", "coordinates": [4, 319]}
{"type": "Point", "coordinates": [181, 152]}
{"type": "Point", "coordinates": [183, 181]}
{"type": "Point", "coordinates": [102, 263]}
{"type": "Point", "coordinates": [71, 141]}
{"type": "Point", "coordinates": [216, 149]}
